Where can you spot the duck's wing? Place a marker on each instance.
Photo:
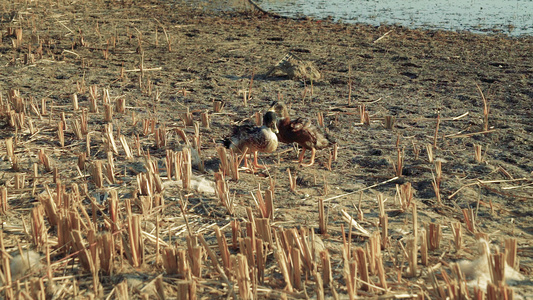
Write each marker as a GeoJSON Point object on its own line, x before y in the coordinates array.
{"type": "Point", "coordinates": [310, 136]}
{"type": "Point", "coordinates": [300, 124]}
{"type": "Point", "coordinates": [243, 130]}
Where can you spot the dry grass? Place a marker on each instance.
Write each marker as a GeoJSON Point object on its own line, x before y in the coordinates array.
{"type": "Point", "coordinates": [105, 217]}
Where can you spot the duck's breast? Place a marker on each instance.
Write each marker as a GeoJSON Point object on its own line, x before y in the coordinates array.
{"type": "Point", "coordinates": [267, 141]}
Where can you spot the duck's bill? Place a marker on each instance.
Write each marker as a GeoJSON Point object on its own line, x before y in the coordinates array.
{"type": "Point", "coordinates": [275, 128]}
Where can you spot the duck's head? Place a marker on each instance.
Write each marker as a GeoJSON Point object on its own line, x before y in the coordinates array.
{"type": "Point", "coordinates": [280, 108]}
{"type": "Point", "coordinates": [270, 120]}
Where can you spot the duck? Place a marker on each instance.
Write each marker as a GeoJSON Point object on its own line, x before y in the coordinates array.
{"type": "Point", "coordinates": [300, 131]}
{"type": "Point", "coordinates": [253, 139]}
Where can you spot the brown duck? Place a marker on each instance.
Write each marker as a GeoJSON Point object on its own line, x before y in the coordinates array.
{"type": "Point", "coordinates": [300, 131]}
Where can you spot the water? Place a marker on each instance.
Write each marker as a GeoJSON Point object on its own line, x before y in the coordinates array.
{"type": "Point", "coordinates": [513, 17]}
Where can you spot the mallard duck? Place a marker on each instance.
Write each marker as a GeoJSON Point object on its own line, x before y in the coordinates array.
{"type": "Point", "coordinates": [253, 139]}
{"type": "Point", "coordinates": [300, 131]}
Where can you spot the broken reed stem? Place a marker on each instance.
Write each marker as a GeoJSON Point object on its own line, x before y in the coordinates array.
{"type": "Point", "coordinates": [362, 265]}
{"type": "Point", "coordinates": [470, 220]}
{"type": "Point", "coordinates": [457, 235]}
{"type": "Point", "coordinates": [405, 195]}
{"type": "Point", "coordinates": [415, 222]}
{"type": "Point", "coordinates": [249, 94]}
{"type": "Point", "coordinates": [44, 159]}
{"type": "Point", "coordinates": [292, 180]}
{"type": "Point", "coordinates": [269, 202]}
{"type": "Point", "coordinates": [126, 147]}
{"type": "Point", "coordinates": [187, 118]}
{"type": "Point", "coordinates": [383, 221]}
{"type": "Point", "coordinates": [399, 166]}
{"type": "Point", "coordinates": [364, 117]}
{"type": "Point", "coordinates": [485, 109]}
{"type": "Point", "coordinates": [429, 151]}
{"type": "Point", "coordinates": [350, 88]}
{"type": "Point", "coordinates": [436, 184]}
{"type": "Point", "coordinates": [93, 91]}
{"type": "Point", "coordinates": [320, 118]}
{"type": "Point", "coordinates": [435, 138]}
{"type": "Point", "coordinates": [322, 218]}
{"type": "Point", "coordinates": [224, 165]}
{"type": "Point", "coordinates": [222, 192]}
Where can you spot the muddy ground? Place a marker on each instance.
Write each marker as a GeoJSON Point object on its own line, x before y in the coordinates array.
{"type": "Point", "coordinates": [191, 56]}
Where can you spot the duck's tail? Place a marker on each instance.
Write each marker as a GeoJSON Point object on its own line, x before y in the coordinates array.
{"type": "Point", "coordinates": [325, 140]}
{"type": "Point", "coordinates": [226, 142]}
{"type": "Point", "coordinates": [331, 139]}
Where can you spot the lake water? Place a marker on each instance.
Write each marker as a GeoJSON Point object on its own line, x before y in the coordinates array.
{"type": "Point", "coordinates": [513, 17]}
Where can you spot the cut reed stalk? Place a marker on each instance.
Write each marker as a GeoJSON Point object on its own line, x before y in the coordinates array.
{"type": "Point", "coordinates": [412, 252]}
{"type": "Point", "coordinates": [108, 112]}
{"type": "Point", "coordinates": [93, 92]}
{"type": "Point", "coordinates": [10, 148]}
{"type": "Point", "coordinates": [327, 275]}
{"type": "Point", "coordinates": [3, 200]}
{"type": "Point", "coordinates": [381, 272]}
{"type": "Point", "coordinates": [389, 122]}
{"type": "Point", "coordinates": [457, 235]}
{"type": "Point", "coordinates": [511, 247]}
{"type": "Point", "coordinates": [477, 153]}
{"type": "Point", "coordinates": [61, 133]}
{"type": "Point", "coordinates": [362, 265]}
{"type": "Point", "coordinates": [187, 118]}
{"type": "Point", "coordinates": [45, 161]}
{"type": "Point", "coordinates": [218, 106]}
{"type": "Point", "coordinates": [96, 174]}
{"type": "Point", "coordinates": [206, 119]}
{"type": "Point", "coordinates": [186, 171]}
{"type": "Point", "coordinates": [423, 247]}
{"type": "Point", "coordinates": [364, 117]}
{"type": "Point", "coordinates": [74, 100]}
{"type": "Point", "coordinates": [434, 236]}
